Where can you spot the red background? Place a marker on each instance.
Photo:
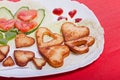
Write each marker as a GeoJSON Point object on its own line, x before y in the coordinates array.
{"type": "Point", "coordinates": [107, 67]}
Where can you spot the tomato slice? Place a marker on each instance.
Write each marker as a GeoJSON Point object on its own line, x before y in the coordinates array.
{"type": "Point", "coordinates": [27, 15]}
{"type": "Point", "coordinates": [6, 25]}
{"type": "Point", "coordinates": [25, 26]}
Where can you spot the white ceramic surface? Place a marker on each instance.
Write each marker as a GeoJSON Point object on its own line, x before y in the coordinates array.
{"type": "Point", "coordinates": [72, 62]}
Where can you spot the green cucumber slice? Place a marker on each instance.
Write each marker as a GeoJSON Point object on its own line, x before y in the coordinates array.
{"type": "Point", "coordinates": [39, 19]}
{"type": "Point", "coordinates": [6, 14]}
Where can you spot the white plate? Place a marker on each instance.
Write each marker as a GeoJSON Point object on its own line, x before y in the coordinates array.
{"type": "Point", "coordinates": [72, 62]}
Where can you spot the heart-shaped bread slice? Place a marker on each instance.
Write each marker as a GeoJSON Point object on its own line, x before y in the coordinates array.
{"type": "Point", "coordinates": [8, 62]}
{"type": "Point", "coordinates": [42, 31]}
{"type": "Point", "coordinates": [80, 46]}
{"type": "Point", "coordinates": [4, 50]}
{"type": "Point", "coordinates": [72, 32]}
{"type": "Point", "coordinates": [23, 57]}
{"type": "Point", "coordinates": [22, 40]}
{"type": "Point", "coordinates": [39, 62]}
{"type": "Point", "coordinates": [2, 57]}
{"type": "Point", "coordinates": [55, 55]}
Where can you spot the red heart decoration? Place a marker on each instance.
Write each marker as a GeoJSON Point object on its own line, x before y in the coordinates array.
{"type": "Point", "coordinates": [58, 11]}
{"type": "Point", "coordinates": [72, 13]}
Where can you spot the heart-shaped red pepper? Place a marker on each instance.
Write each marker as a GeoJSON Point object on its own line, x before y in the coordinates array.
{"type": "Point", "coordinates": [72, 13]}
{"type": "Point", "coordinates": [58, 11]}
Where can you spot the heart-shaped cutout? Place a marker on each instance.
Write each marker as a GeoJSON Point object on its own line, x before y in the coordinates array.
{"type": "Point", "coordinates": [72, 13]}
{"type": "Point", "coordinates": [22, 40]}
{"type": "Point", "coordinates": [80, 46]}
{"type": "Point", "coordinates": [6, 25]}
{"type": "Point", "coordinates": [3, 52]}
{"type": "Point", "coordinates": [55, 55]}
{"type": "Point", "coordinates": [41, 32]}
{"type": "Point", "coordinates": [27, 15]}
{"type": "Point", "coordinates": [72, 32]}
{"type": "Point", "coordinates": [23, 57]}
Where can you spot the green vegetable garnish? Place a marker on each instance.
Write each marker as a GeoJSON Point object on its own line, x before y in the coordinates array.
{"type": "Point", "coordinates": [10, 35]}
{"type": "Point", "coordinates": [3, 41]}
{"type": "Point", "coordinates": [1, 35]}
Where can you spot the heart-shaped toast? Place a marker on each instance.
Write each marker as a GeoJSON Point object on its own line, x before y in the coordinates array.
{"type": "Point", "coordinates": [80, 46]}
{"type": "Point", "coordinates": [54, 55]}
{"type": "Point", "coordinates": [41, 32]}
{"type": "Point", "coordinates": [22, 40]}
{"type": "Point", "coordinates": [8, 62]}
{"type": "Point", "coordinates": [39, 62]}
{"type": "Point", "coordinates": [23, 57]}
{"type": "Point", "coordinates": [72, 32]}
{"type": "Point", "coordinates": [3, 52]}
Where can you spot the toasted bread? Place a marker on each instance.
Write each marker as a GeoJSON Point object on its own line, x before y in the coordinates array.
{"type": "Point", "coordinates": [57, 38]}
{"type": "Point", "coordinates": [23, 57]}
{"type": "Point", "coordinates": [2, 57]}
{"type": "Point", "coordinates": [4, 49]}
{"type": "Point", "coordinates": [3, 52]}
{"type": "Point", "coordinates": [39, 62]}
{"type": "Point", "coordinates": [55, 55]}
{"type": "Point", "coordinates": [72, 32]}
{"type": "Point", "coordinates": [8, 62]}
{"type": "Point", "coordinates": [22, 40]}
{"type": "Point", "coordinates": [81, 45]}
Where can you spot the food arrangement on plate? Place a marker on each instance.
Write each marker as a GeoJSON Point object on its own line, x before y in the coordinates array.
{"type": "Point", "coordinates": [44, 38]}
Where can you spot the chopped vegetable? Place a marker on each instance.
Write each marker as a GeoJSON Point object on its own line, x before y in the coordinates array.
{"type": "Point", "coordinates": [10, 35]}
{"type": "Point", "coordinates": [3, 41]}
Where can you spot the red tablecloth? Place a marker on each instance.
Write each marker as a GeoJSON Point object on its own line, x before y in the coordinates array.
{"type": "Point", "coordinates": [107, 67]}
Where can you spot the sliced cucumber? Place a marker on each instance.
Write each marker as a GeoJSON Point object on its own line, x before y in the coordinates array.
{"type": "Point", "coordinates": [40, 17]}
{"type": "Point", "coordinates": [20, 9]}
{"type": "Point", "coordinates": [6, 14]}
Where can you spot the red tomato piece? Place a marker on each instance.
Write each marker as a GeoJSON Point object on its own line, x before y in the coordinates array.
{"type": "Point", "coordinates": [25, 26]}
{"type": "Point", "coordinates": [7, 24]}
{"type": "Point", "coordinates": [27, 15]}
{"type": "Point", "coordinates": [58, 11]}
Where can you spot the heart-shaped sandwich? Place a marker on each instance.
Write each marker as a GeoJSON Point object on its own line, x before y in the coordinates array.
{"type": "Point", "coordinates": [42, 31]}
{"type": "Point", "coordinates": [22, 40]}
{"type": "Point", "coordinates": [55, 54]}
{"type": "Point", "coordinates": [80, 45]}
{"type": "Point", "coordinates": [72, 32]}
{"type": "Point", "coordinates": [23, 57]}
{"type": "Point", "coordinates": [77, 37]}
